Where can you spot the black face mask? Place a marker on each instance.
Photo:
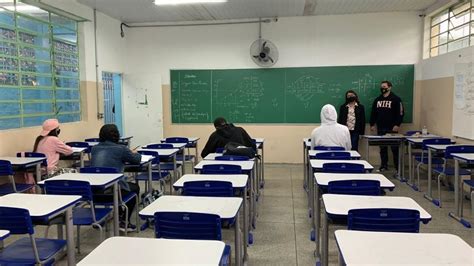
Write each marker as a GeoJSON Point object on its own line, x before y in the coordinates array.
{"type": "Point", "coordinates": [58, 131]}
{"type": "Point", "coordinates": [383, 90]}
{"type": "Point", "coordinates": [351, 99]}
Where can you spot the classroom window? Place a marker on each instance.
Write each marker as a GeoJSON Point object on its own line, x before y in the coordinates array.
{"type": "Point", "coordinates": [452, 29]}
{"type": "Point", "coordinates": [39, 66]}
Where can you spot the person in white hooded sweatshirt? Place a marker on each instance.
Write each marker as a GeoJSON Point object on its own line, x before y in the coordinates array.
{"type": "Point", "coordinates": [330, 133]}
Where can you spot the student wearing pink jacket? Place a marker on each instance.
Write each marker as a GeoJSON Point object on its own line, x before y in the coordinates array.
{"type": "Point", "coordinates": [49, 144]}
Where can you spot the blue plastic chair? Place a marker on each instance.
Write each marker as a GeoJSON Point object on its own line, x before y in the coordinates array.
{"type": "Point", "coordinates": [332, 155]}
{"type": "Point", "coordinates": [423, 158]}
{"type": "Point", "coordinates": [221, 169]}
{"type": "Point", "coordinates": [208, 188]}
{"type": "Point", "coordinates": [157, 173]}
{"type": "Point", "coordinates": [188, 225]}
{"type": "Point", "coordinates": [6, 169]}
{"type": "Point", "coordinates": [232, 158]}
{"type": "Point", "coordinates": [81, 215]}
{"type": "Point", "coordinates": [179, 157]}
{"type": "Point", "coordinates": [444, 170]}
{"type": "Point", "coordinates": [220, 150]}
{"type": "Point", "coordinates": [470, 184]}
{"type": "Point", "coordinates": [329, 148]}
{"type": "Point", "coordinates": [166, 165]}
{"type": "Point", "coordinates": [27, 250]}
{"type": "Point", "coordinates": [355, 187]}
{"type": "Point", "coordinates": [343, 168]}
{"type": "Point", "coordinates": [384, 220]}
{"type": "Point", "coordinates": [123, 200]}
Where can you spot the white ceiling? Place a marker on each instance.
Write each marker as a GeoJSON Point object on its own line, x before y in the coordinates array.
{"type": "Point", "coordinates": [135, 11]}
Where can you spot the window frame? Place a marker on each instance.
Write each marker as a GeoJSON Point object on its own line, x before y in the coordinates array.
{"type": "Point", "coordinates": [450, 16]}
{"type": "Point", "coordinates": [18, 90]}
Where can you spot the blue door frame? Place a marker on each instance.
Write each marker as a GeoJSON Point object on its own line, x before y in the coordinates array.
{"type": "Point", "coordinates": [113, 99]}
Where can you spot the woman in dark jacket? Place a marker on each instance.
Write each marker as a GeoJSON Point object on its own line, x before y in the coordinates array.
{"type": "Point", "coordinates": [352, 115]}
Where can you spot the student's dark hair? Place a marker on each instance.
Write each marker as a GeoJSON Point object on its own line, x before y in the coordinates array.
{"type": "Point", "coordinates": [109, 132]}
{"type": "Point", "coordinates": [388, 83]}
{"type": "Point", "coordinates": [220, 122]}
{"type": "Point", "coordinates": [353, 92]}
{"type": "Point", "coordinates": [54, 133]}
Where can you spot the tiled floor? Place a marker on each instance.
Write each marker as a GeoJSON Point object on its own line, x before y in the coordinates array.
{"type": "Point", "coordinates": [282, 234]}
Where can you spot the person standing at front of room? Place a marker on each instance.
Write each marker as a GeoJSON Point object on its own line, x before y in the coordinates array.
{"type": "Point", "coordinates": [352, 115]}
{"type": "Point", "coordinates": [386, 117]}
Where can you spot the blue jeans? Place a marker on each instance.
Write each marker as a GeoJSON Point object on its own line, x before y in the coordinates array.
{"type": "Point", "coordinates": [354, 140]}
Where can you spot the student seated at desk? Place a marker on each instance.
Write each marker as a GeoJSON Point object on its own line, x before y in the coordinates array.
{"type": "Point", "coordinates": [109, 153]}
{"type": "Point", "coordinates": [330, 133]}
{"type": "Point", "coordinates": [224, 134]}
{"type": "Point", "coordinates": [50, 145]}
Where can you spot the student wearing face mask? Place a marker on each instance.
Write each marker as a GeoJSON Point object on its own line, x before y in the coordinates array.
{"type": "Point", "coordinates": [352, 115]}
{"type": "Point", "coordinates": [386, 117]}
{"type": "Point", "coordinates": [49, 144]}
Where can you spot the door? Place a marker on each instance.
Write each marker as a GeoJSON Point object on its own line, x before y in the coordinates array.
{"type": "Point", "coordinates": [113, 99]}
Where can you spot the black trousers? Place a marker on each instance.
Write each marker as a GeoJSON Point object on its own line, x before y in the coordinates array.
{"type": "Point", "coordinates": [108, 196]}
{"type": "Point", "coordinates": [354, 140]}
{"type": "Point", "coordinates": [384, 151]}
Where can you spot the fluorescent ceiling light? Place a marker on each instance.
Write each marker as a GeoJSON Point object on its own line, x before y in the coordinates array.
{"type": "Point", "coordinates": [185, 2]}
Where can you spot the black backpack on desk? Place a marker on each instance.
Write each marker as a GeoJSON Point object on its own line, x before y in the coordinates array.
{"type": "Point", "coordinates": [234, 148]}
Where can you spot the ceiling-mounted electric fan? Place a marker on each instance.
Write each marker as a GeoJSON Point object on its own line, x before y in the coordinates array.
{"type": "Point", "coordinates": [263, 52]}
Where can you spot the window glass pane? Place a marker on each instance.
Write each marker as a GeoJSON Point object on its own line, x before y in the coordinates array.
{"type": "Point", "coordinates": [443, 26]}
{"type": "Point", "coordinates": [440, 17]}
{"type": "Point", "coordinates": [9, 94]}
{"type": "Point", "coordinates": [7, 63]}
{"type": "Point", "coordinates": [65, 118]}
{"type": "Point", "coordinates": [35, 120]}
{"type": "Point", "coordinates": [39, 66]}
{"type": "Point", "coordinates": [37, 40]}
{"type": "Point", "coordinates": [456, 10]}
{"type": "Point", "coordinates": [443, 49]}
{"type": "Point", "coordinates": [33, 108]}
{"type": "Point", "coordinates": [35, 53]}
{"type": "Point", "coordinates": [69, 71]}
{"type": "Point", "coordinates": [458, 44]}
{"type": "Point", "coordinates": [7, 123]}
{"type": "Point", "coordinates": [7, 109]}
{"type": "Point", "coordinates": [32, 11]}
{"type": "Point", "coordinates": [7, 18]}
{"type": "Point", "coordinates": [458, 33]}
{"type": "Point", "coordinates": [434, 52]}
{"type": "Point", "coordinates": [67, 83]}
{"type": "Point", "coordinates": [64, 22]}
{"type": "Point", "coordinates": [11, 79]}
{"type": "Point", "coordinates": [8, 34]}
{"type": "Point", "coordinates": [35, 94]}
{"type": "Point", "coordinates": [68, 106]}
{"type": "Point", "coordinates": [457, 20]}
{"type": "Point", "coordinates": [35, 66]}
{"type": "Point", "coordinates": [435, 30]}
{"type": "Point", "coordinates": [67, 94]}
{"type": "Point", "coordinates": [66, 59]}
{"type": "Point", "coordinates": [33, 80]}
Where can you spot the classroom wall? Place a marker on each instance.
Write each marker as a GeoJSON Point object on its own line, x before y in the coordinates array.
{"type": "Point", "coordinates": [436, 88]}
{"type": "Point", "coordinates": [362, 39]}
{"type": "Point", "coordinates": [109, 55]}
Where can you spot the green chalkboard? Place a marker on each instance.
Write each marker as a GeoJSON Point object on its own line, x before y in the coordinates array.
{"type": "Point", "coordinates": [280, 95]}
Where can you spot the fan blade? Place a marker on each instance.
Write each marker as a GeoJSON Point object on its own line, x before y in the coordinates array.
{"type": "Point", "coordinates": [263, 46]}
{"type": "Point", "coordinates": [271, 59]}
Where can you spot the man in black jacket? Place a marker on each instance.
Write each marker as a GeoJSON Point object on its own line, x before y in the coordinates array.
{"type": "Point", "coordinates": [224, 134]}
{"type": "Point", "coordinates": [387, 115]}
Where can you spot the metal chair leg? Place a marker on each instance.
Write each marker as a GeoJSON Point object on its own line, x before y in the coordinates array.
{"type": "Point", "coordinates": [78, 244]}
{"type": "Point", "coordinates": [439, 189]}
{"type": "Point", "coordinates": [418, 176]}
